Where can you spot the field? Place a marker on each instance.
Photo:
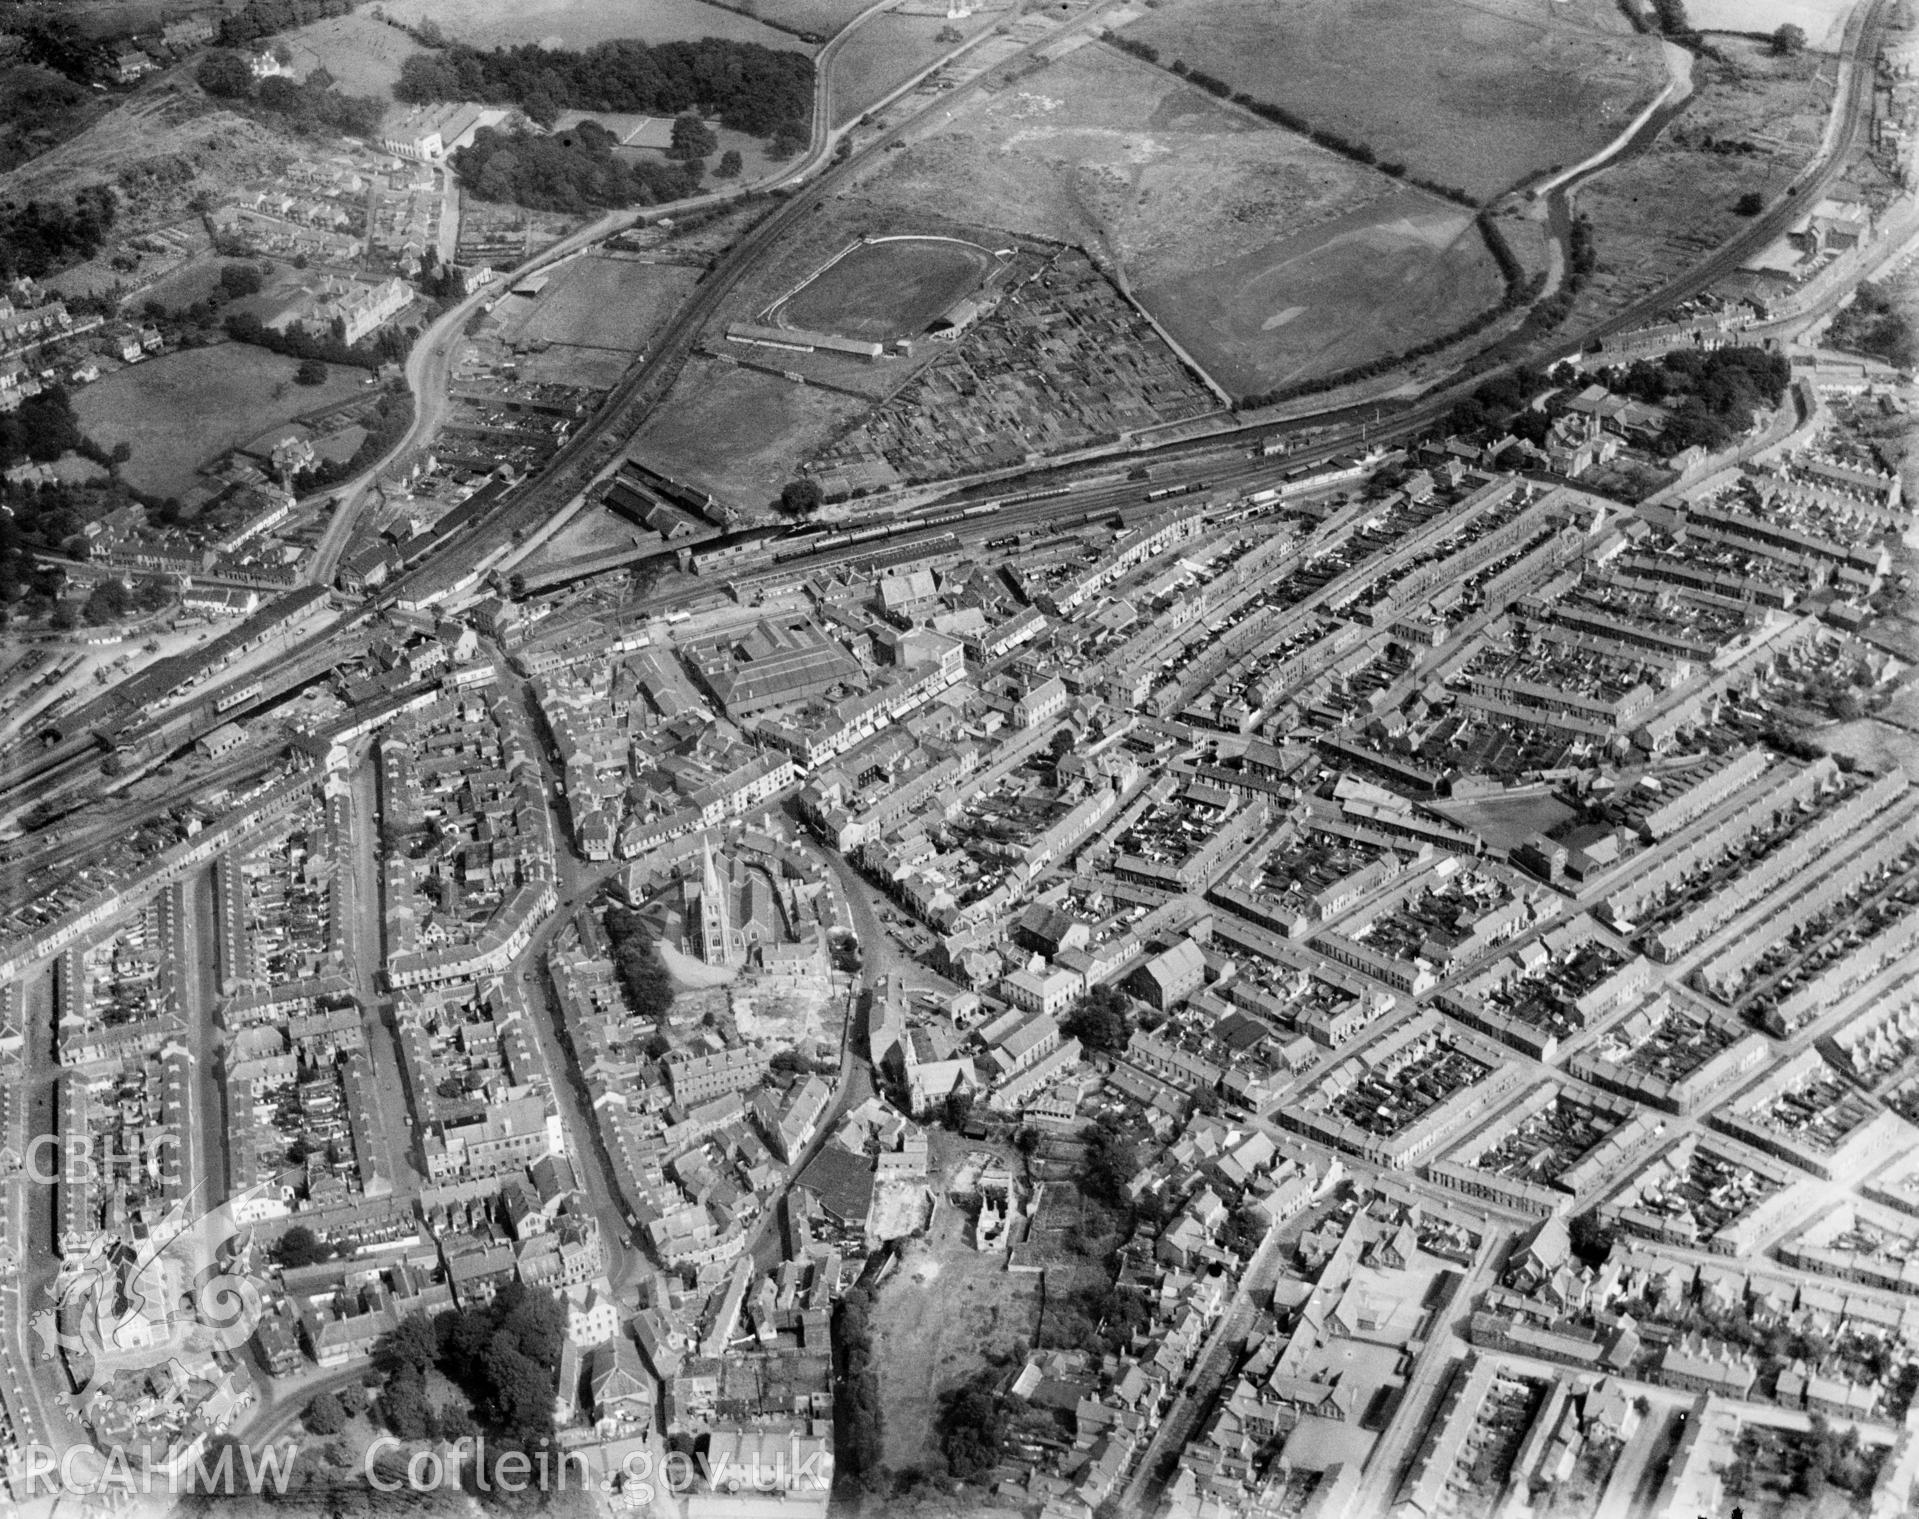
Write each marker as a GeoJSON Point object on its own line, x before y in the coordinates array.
{"type": "Point", "coordinates": [1375, 283]}
{"type": "Point", "coordinates": [581, 23]}
{"type": "Point", "coordinates": [885, 290]}
{"type": "Point", "coordinates": [1668, 206]}
{"type": "Point", "coordinates": [1261, 252]}
{"type": "Point", "coordinates": [363, 55]}
{"type": "Point", "coordinates": [1822, 20]}
{"type": "Point", "coordinates": [934, 1322]}
{"type": "Point", "coordinates": [1480, 94]}
{"type": "Point", "coordinates": [820, 17]}
{"type": "Point", "coordinates": [736, 431]}
{"type": "Point", "coordinates": [886, 52]}
{"type": "Point", "coordinates": [593, 319]}
{"type": "Point", "coordinates": [182, 410]}
{"type": "Point", "coordinates": [598, 302]}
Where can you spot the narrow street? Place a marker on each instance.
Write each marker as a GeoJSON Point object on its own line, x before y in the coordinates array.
{"type": "Point", "coordinates": [366, 952]}
{"type": "Point", "coordinates": [199, 988]}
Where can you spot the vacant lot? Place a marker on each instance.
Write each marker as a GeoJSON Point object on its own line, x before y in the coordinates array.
{"type": "Point", "coordinates": [1753, 122]}
{"type": "Point", "coordinates": [884, 290]}
{"type": "Point", "coordinates": [736, 432]}
{"type": "Point", "coordinates": [363, 55]}
{"type": "Point", "coordinates": [1822, 20]}
{"type": "Point", "coordinates": [1263, 253]}
{"type": "Point", "coordinates": [937, 1319]}
{"type": "Point", "coordinates": [1476, 93]}
{"type": "Point", "coordinates": [581, 23]}
{"type": "Point", "coordinates": [184, 409]}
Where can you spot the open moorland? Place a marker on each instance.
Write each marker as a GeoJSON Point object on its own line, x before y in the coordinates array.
{"type": "Point", "coordinates": [581, 23]}
{"type": "Point", "coordinates": [1752, 123]}
{"type": "Point", "coordinates": [879, 291]}
{"type": "Point", "coordinates": [362, 54]}
{"type": "Point", "coordinates": [185, 409]}
{"type": "Point", "coordinates": [736, 431]}
{"type": "Point", "coordinates": [1480, 94]}
{"type": "Point", "coordinates": [1256, 247]}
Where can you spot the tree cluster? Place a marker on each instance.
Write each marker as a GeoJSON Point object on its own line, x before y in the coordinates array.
{"type": "Point", "coordinates": [392, 416]}
{"type": "Point", "coordinates": [1871, 324]}
{"type": "Point", "coordinates": [750, 87]}
{"type": "Point", "coordinates": [636, 959]}
{"type": "Point", "coordinates": [111, 600]}
{"type": "Point", "coordinates": [1712, 397]}
{"type": "Point", "coordinates": [300, 1246]}
{"type": "Point", "coordinates": [858, 1442]}
{"type": "Point", "coordinates": [972, 1423]}
{"type": "Point", "coordinates": [262, 18]}
{"type": "Point", "coordinates": [309, 105]}
{"type": "Point", "coordinates": [692, 138]}
{"type": "Point", "coordinates": [569, 171]}
{"type": "Point", "coordinates": [1102, 1021]}
{"type": "Point", "coordinates": [1112, 1161]}
{"type": "Point", "coordinates": [39, 108]}
{"type": "Point", "coordinates": [503, 1355]}
{"type": "Point", "coordinates": [42, 236]}
{"type": "Point", "coordinates": [1499, 405]}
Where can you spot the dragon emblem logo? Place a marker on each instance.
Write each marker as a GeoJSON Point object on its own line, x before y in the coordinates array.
{"type": "Point", "coordinates": [189, 1285]}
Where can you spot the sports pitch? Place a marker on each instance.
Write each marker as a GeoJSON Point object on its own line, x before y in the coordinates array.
{"type": "Point", "coordinates": [881, 290]}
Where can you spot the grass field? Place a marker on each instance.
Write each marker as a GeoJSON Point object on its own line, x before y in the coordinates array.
{"type": "Point", "coordinates": [820, 17]}
{"type": "Point", "coordinates": [1371, 284]}
{"type": "Point", "coordinates": [581, 23]}
{"type": "Point", "coordinates": [1475, 93]}
{"type": "Point", "coordinates": [1822, 20]}
{"type": "Point", "coordinates": [736, 432]}
{"type": "Point", "coordinates": [886, 52]}
{"type": "Point", "coordinates": [1261, 252]}
{"type": "Point", "coordinates": [935, 1321]}
{"type": "Point", "coordinates": [1673, 203]}
{"type": "Point", "coordinates": [885, 290]}
{"type": "Point", "coordinates": [184, 409]}
{"type": "Point", "coordinates": [595, 302]}
{"type": "Point", "coordinates": [363, 55]}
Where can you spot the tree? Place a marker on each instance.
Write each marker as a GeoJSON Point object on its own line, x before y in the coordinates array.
{"type": "Point", "coordinates": [310, 372]}
{"type": "Point", "coordinates": [1101, 1021]}
{"type": "Point", "coordinates": [225, 75]}
{"type": "Point", "coordinates": [300, 1246]}
{"type": "Point", "coordinates": [354, 1400]}
{"type": "Point", "coordinates": [730, 165]}
{"type": "Point", "coordinates": [404, 1406]}
{"type": "Point", "coordinates": [1788, 40]}
{"type": "Point", "coordinates": [324, 1415]}
{"type": "Point", "coordinates": [122, 451]}
{"type": "Point", "coordinates": [800, 498]}
{"type": "Point", "coordinates": [237, 280]}
{"type": "Point", "coordinates": [957, 1108]}
{"type": "Point", "coordinates": [1750, 204]}
{"type": "Point", "coordinates": [692, 138]}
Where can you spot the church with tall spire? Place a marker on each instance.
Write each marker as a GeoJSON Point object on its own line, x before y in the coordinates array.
{"type": "Point", "coordinates": [716, 917]}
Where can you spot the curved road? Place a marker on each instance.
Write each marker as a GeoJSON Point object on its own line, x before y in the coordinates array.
{"type": "Point", "coordinates": [429, 364]}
